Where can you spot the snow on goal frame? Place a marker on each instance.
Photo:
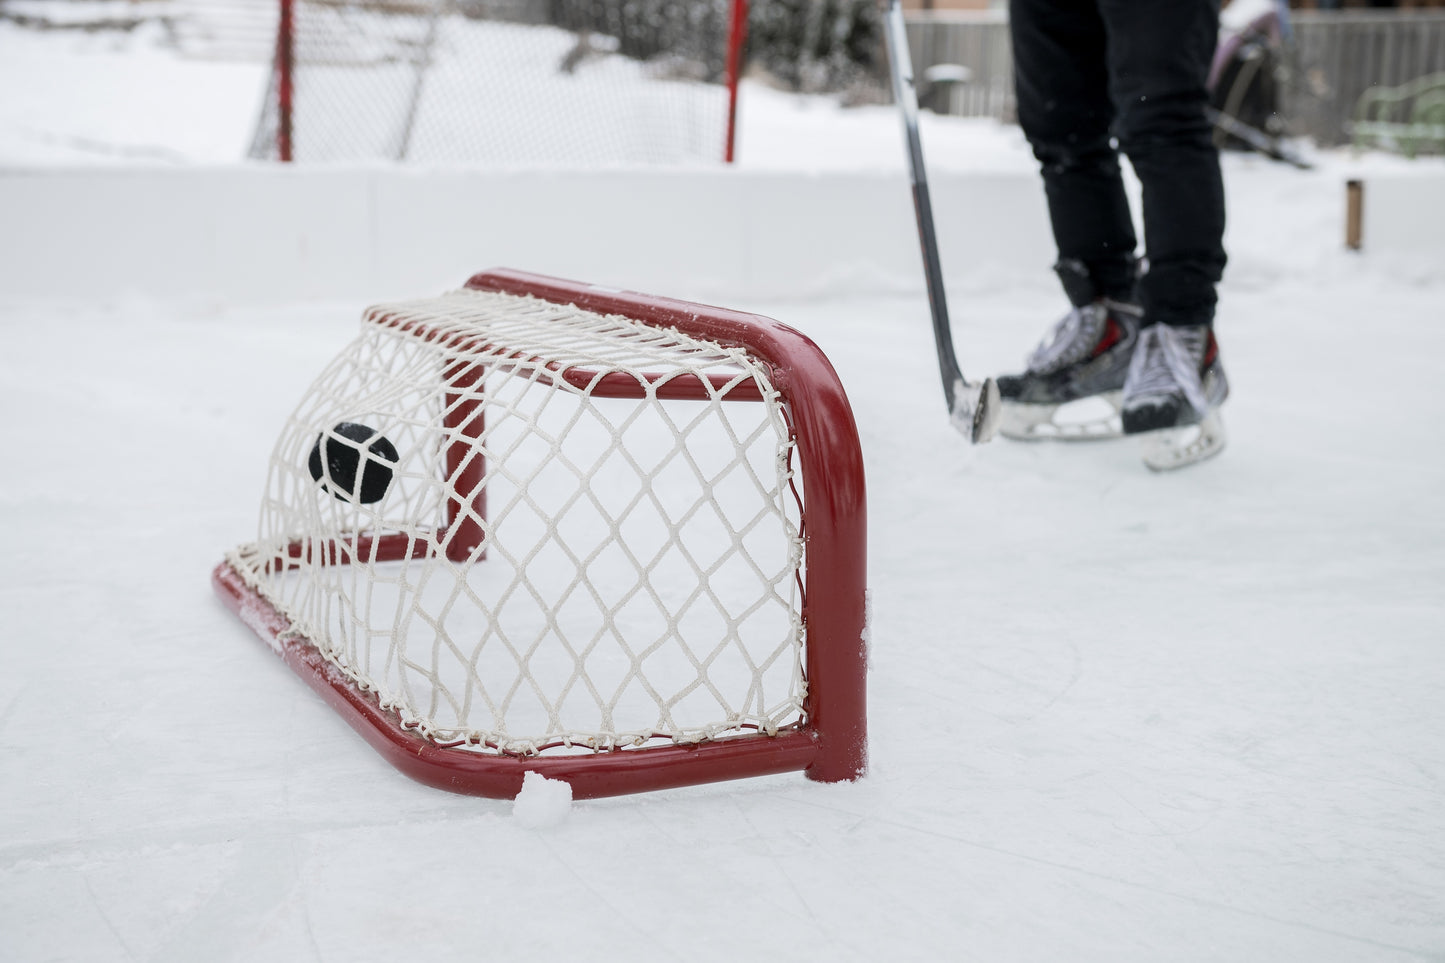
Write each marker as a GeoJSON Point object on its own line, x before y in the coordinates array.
{"type": "Point", "coordinates": [537, 525]}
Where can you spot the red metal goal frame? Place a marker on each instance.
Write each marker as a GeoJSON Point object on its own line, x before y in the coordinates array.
{"type": "Point", "coordinates": [829, 745]}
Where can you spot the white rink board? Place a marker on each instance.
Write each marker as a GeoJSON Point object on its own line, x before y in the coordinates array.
{"type": "Point", "coordinates": [270, 234]}
{"type": "Point", "coordinates": [265, 234]}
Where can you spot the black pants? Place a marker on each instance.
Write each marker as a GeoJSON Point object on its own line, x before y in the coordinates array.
{"type": "Point", "coordinates": [1093, 74]}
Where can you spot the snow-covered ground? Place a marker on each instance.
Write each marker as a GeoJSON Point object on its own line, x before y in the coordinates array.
{"type": "Point", "coordinates": [1114, 715]}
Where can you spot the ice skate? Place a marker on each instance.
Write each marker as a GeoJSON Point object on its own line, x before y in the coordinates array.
{"type": "Point", "coordinates": [1072, 387]}
{"type": "Point", "coordinates": [1172, 395]}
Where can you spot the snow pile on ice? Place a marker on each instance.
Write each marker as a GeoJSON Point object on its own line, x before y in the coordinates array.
{"type": "Point", "coordinates": [542, 803]}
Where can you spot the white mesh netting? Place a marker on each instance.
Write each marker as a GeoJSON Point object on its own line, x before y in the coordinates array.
{"type": "Point", "coordinates": [504, 83]}
{"type": "Point", "coordinates": [532, 565]}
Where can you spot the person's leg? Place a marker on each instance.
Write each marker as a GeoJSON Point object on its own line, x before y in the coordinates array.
{"type": "Point", "coordinates": [1065, 110]}
{"type": "Point", "coordinates": [1158, 59]}
{"type": "Point", "coordinates": [1159, 56]}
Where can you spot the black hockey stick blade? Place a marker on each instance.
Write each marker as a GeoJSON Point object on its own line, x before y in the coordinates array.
{"type": "Point", "coordinates": [972, 408]}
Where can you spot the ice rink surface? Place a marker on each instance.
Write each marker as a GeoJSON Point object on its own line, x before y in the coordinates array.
{"type": "Point", "coordinates": [1115, 716]}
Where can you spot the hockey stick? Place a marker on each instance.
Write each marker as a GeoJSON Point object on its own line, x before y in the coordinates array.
{"type": "Point", "coordinates": [1269, 146]}
{"type": "Point", "coordinates": [973, 408]}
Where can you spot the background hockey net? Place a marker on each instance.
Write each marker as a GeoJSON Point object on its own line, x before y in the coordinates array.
{"type": "Point", "coordinates": [504, 82]}
{"type": "Point", "coordinates": [592, 539]}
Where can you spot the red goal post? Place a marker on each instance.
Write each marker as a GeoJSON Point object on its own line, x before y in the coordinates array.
{"type": "Point", "coordinates": [731, 362]}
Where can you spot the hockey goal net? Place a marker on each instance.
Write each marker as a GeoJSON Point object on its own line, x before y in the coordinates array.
{"type": "Point", "coordinates": [536, 525]}
{"type": "Point", "coordinates": [568, 83]}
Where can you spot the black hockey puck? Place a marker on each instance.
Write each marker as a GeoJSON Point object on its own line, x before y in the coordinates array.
{"type": "Point", "coordinates": [344, 457]}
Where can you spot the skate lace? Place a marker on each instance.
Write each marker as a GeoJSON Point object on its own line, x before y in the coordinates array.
{"type": "Point", "coordinates": [1166, 362]}
{"type": "Point", "coordinates": [1071, 339]}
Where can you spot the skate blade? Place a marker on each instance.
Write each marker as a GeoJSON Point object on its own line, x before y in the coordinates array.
{"type": "Point", "coordinates": [976, 410]}
{"type": "Point", "coordinates": [1175, 448]}
{"type": "Point", "coordinates": [1041, 422]}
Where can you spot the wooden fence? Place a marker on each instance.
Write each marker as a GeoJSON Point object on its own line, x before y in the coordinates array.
{"type": "Point", "coordinates": [1332, 59]}
{"type": "Point", "coordinates": [1337, 57]}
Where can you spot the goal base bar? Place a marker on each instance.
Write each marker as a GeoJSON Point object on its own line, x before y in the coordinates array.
{"type": "Point", "coordinates": [497, 776]}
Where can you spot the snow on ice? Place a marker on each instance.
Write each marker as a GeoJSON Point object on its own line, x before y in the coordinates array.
{"type": "Point", "coordinates": [543, 803]}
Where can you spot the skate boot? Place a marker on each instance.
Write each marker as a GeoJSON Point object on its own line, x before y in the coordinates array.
{"type": "Point", "coordinates": [1172, 395]}
{"type": "Point", "coordinates": [1086, 355]}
